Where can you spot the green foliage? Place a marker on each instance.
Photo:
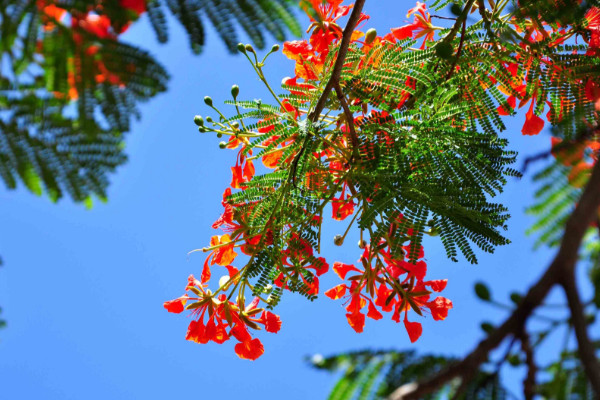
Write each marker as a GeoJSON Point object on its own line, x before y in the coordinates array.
{"type": "Point", "coordinates": [369, 374]}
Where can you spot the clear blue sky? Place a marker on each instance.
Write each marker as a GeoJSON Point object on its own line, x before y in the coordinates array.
{"type": "Point", "coordinates": [83, 290]}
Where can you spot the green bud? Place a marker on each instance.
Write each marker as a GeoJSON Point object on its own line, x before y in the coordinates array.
{"type": "Point", "coordinates": [222, 145]}
{"type": "Point", "coordinates": [198, 120]}
{"type": "Point", "coordinates": [482, 291]}
{"type": "Point", "coordinates": [219, 135]}
{"type": "Point", "coordinates": [338, 240]}
{"type": "Point", "coordinates": [208, 101]}
{"type": "Point", "coordinates": [362, 244]}
{"type": "Point", "coordinates": [455, 9]}
{"type": "Point", "coordinates": [516, 297]}
{"type": "Point", "coordinates": [209, 119]}
{"type": "Point", "coordinates": [236, 125]}
{"type": "Point", "coordinates": [235, 90]}
{"type": "Point", "coordinates": [444, 50]}
{"type": "Point", "coordinates": [201, 129]}
{"type": "Point", "coordinates": [370, 35]}
{"type": "Point", "coordinates": [487, 327]}
{"type": "Point", "coordinates": [249, 48]}
{"type": "Point", "coordinates": [241, 48]}
{"type": "Point", "coordinates": [514, 360]}
{"type": "Point", "coordinates": [275, 48]}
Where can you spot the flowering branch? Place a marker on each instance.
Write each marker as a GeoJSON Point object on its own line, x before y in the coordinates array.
{"type": "Point", "coordinates": [339, 62]}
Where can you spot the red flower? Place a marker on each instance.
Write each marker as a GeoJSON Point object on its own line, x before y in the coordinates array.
{"type": "Point", "coordinates": [175, 306]}
{"type": "Point", "coordinates": [414, 330]}
{"type": "Point", "coordinates": [138, 6]}
{"type": "Point", "coordinates": [249, 350]}
{"type": "Point", "coordinates": [533, 124]}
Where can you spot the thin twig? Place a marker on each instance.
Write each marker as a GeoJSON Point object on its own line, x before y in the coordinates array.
{"type": "Point", "coordinates": [459, 51]}
{"type": "Point", "coordinates": [564, 263]}
{"type": "Point", "coordinates": [349, 118]}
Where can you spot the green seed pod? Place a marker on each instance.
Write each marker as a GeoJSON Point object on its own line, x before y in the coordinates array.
{"type": "Point", "coordinates": [241, 48]}
{"type": "Point", "coordinates": [482, 291]}
{"type": "Point", "coordinates": [222, 145]}
{"type": "Point", "coordinates": [198, 120]}
{"type": "Point", "coordinates": [235, 90]}
{"type": "Point", "coordinates": [208, 101]}
{"type": "Point", "coordinates": [370, 35]}
{"type": "Point", "coordinates": [249, 48]}
{"type": "Point", "coordinates": [275, 48]}
{"type": "Point", "coordinates": [338, 240]}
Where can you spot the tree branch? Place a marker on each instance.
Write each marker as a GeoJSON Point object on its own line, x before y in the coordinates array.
{"type": "Point", "coordinates": [564, 263]}
{"type": "Point", "coordinates": [339, 62]}
{"type": "Point", "coordinates": [349, 118]}
{"type": "Point", "coordinates": [585, 348]}
{"type": "Point", "coordinates": [529, 382]}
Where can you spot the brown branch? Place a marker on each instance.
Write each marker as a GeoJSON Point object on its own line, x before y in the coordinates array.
{"type": "Point", "coordinates": [529, 382]}
{"type": "Point", "coordinates": [585, 348]}
{"type": "Point", "coordinates": [349, 118]}
{"type": "Point", "coordinates": [339, 62]}
{"type": "Point", "coordinates": [459, 51]}
{"type": "Point", "coordinates": [585, 212]}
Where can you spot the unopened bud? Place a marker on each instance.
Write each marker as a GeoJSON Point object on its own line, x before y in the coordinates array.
{"type": "Point", "coordinates": [222, 145]}
{"type": "Point", "coordinates": [236, 125]}
{"type": "Point", "coordinates": [219, 135]}
{"type": "Point", "coordinates": [235, 90]}
{"type": "Point", "coordinates": [362, 244]}
{"type": "Point", "coordinates": [338, 240]}
{"type": "Point", "coordinates": [370, 35]}
{"type": "Point", "coordinates": [241, 48]}
{"type": "Point", "coordinates": [201, 129]}
{"type": "Point", "coordinates": [275, 48]}
{"type": "Point", "coordinates": [198, 120]}
{"type": "Point", "coordinates": [249, 48]}
{"type": "Point", "coordinates": [209, 119]}
{"type": "Point", "coordinates": [208, 101]}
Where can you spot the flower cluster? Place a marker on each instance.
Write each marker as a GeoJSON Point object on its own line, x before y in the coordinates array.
{"type": "Point", "coordinates": [88, 30]}
{"type": "Point", "coordinates": [217, 319]}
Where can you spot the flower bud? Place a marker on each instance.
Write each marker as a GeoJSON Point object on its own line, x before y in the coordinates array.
{"type": "Point", "coordinates": [222, 145]}
{"type": "Point", "coordinates": [362, 244]}
{"type": "Point", "coordinates": [219, 135]}
{"type": "Point", "coordinates": [208, 101]}
{"type": "Point", "coordinates": [235, 90]}
{"type": "Point", "coordinates": [275, 48]}
{"type": "Point", "coordinates": [209, 119]}
{"type": "Point", "coordinates": [370, 35]}
{"type": "Point", "coordinates": [198, 120]}
{"type": "Point", "coordinates": [338, 240]}
{"type": "Point", "coordinates": [249, 48]}
{"type": "Point", "coordinates": [235, 125]}
{"type": "Point", "coordinates": [241, 48]}
{"type": "Point", "coordinates": [201, 129]}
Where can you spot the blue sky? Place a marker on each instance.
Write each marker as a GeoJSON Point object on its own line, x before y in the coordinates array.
{"type": "Point", "coordinates": [83, 290]}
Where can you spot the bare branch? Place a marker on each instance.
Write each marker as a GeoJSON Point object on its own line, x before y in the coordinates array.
{"type": "Point", "coordinates": [529, 382]}
{"type": "Point", "coordinates": [585, 348]}
{"type": "Point", "coordinates": [564, 263]}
